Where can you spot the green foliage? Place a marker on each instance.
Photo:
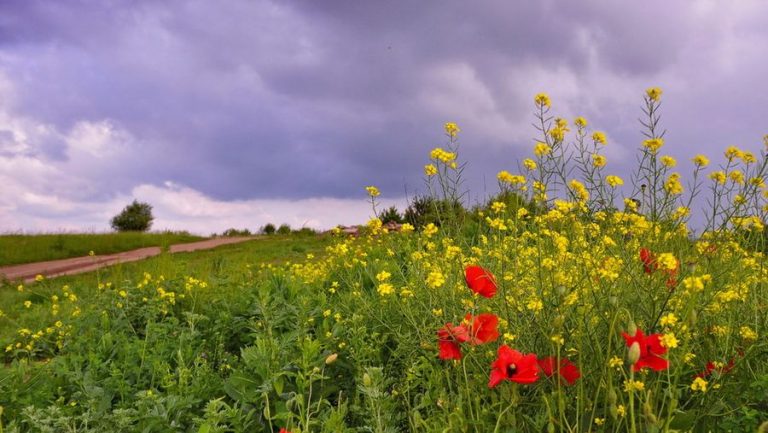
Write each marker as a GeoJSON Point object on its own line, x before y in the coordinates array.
{"type": "Point", "coordinates": [16, 249]}
{"type": "Point", "coordinates": [136, 217]}
{"type": "Point", "coordinates": [284, 229]}
{"type": "Point", "coordinates": [235, 232]}
{"type": "Point", "coordinates": [268, 229]}
{"type": "Point", "coordinates": [426, 209]}
{"type": "Point", "coordinates": [391, 214]}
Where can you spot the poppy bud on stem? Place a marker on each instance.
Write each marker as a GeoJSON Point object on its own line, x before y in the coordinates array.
{"type": "Point", "coordinates": [633, 353]}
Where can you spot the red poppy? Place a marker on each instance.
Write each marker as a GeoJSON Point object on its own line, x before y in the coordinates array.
{"type": "Point", "coordinates": [480, 281]}
{"type": "Point", "coordinates": [710, 367]}
{"type": "Point", "coordinates": [448, 339]}
{"type": "Point", "coordinates": [650, 349]}
{"type": "Point", "coordinates": [481, 328]}
{"type": "Point", "coordinates": [648, 259]}
{"type": "Point", "coordinates": [513, 366]}
{"type": "Point", "coordinates": [567, 370]}
{"type": "Point", "coordinates": [283, 430]}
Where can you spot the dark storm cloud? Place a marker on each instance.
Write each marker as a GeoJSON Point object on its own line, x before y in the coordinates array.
{"type": "Point", "coordinates": [257, 99]}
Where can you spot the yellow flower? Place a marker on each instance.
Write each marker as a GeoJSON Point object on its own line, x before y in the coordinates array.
{"type": "Point", "coordinates": [542, 149]}
{"type": "Point", "coordinates": [633, 385]}
{"type": "Point", "coordinates": [599, 421]}
{"type": "Point", "coordinates": [451, 129]}
{"type": "Point", "coordinates": [668, 320]}
{"type": "Point", "coordinates": [599, 137]}
{"type": "Point", "coordinates": [654, 93]}
{"type": "Point", "coordinates": [733, 152]}
{"type": "Point", "coordinates": [669, 340]}
{"type": "Point", "coordinates": [542, 99]}
{"type": "Point", "coordinates": [580, 122]}
{"type": "Point", "coordinates": [579, 190]}
{"type": "Point", "coordinates": [39, 278]}
{"type": "Point", "coordinates": [430, 230]}
{"type": "Point", "coordinates": [383, 276]}
{"type": "Point", "coordinates": [667, 261]}
{"type": "Point", "coordinates": [529, 164]}
{"type": "Point", "coordinates": [406, 228]}
{"type": "Point", "coordinates": [668, 161]}
{"type": "Point", "coordinates": [699, 384]}
{"type": "Point", "coordinates": [27, 304]}
{"type": "Point", "coordinates": [748, 157]}
{"type": "Point", "coordinates": [615, 362]}
{"type": "Point", "coordinates": [372, 191]}
{"type": "Point", "coordinates": [614, 181]}
{"type": "Point", "coordinates": [653, 144]}
{"type": "Point", "coordinates": [385, 289]}
{"type": "Point", "coordinates": [598, 160]}
{"type": "Point", "coordinates": [700, 161]}
{"type": "Point", "coordinates": [435, 279]}
{"type": "Point", "coordinates": [747, 333]}
{"type": "Point", "coordinates": [430, 170]}
{"type": "Point", "coordinates": [737, 177]}
{"type": "Point", "coordinates": [673, 185]}
{"type": "Point", "coordinates": [621, 410]}
{"type": "Point", "coordinates": [718, 176]}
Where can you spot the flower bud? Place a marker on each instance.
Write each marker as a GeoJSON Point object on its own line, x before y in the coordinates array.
{"type": "Point", "coordinates": [366, 379]}
{"type": "Point", "coordinates": [614, 301]}
{"type": "Point", "coordinates": [331, 358]}
{"type": "Point", "coordinates": [633, 353]}
{"type": "Point", "coordinates": [631, 327]}
{"type": "Point", "coordinates": [612, 396]}
{"type": "Point", "coordinates": [614, 411]}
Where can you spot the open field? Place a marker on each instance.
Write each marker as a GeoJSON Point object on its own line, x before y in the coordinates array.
{"type": "Point", "coordinates": [16, 249]}
{"type": "Point", "coordinates": [526, 314]}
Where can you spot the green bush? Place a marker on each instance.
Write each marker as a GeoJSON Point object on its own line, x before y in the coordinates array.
{"type": "Point", "coordinates": [136, 217]}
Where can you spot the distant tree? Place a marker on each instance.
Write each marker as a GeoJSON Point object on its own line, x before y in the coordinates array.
{"type": "Point", "coordinates": [268, 229]}
{"type": "Point", "coordinates": [235, 232]}
{"type": "Point", "coordinates": [391, 215]}
{"type": "Point", "coordinates": [425, 209]}
{"type": "Point", "coordinates": [284, 229]}
{"type": "Point", "coordinates": [136, 217]}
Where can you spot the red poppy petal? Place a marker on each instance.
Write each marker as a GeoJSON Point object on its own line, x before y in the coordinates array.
{"type": "Point", "coordinates": [497, 376]}
{"type": "Point", "coordinates": [547, 365]}
{"type": "Point", "coordinates": [449, 350]}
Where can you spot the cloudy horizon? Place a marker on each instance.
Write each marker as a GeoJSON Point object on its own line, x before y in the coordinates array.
{"type": "Point", "coordinates": [242, 112]}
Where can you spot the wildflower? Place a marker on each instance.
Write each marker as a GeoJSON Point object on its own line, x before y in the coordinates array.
{"type": "Point", "coordinates": [653, 144]}
{"type": "Point", "coordinates": [673, 185]}
{"type": "Point", "coordinates": [700, 161]}
{"type": "Point", "coordinates": [566, 370]}
{"type": "Point", "coordinates": [442, 155]}
{"type": "Point", "coordinates": [372, 191]}
{"type": "Point", "coordinates": [542, 100]}
{"type": "Point", "coordinates": [718, 367]}
{"type": "Point", "coordinates": [668, 161]}
{"type": "Point", "coordinates": [542, 149]}
{"type": "Point", "coordinates": [633, 385]}
{"type": "Point", "coordinates": [451, 129]}
{"type": "Point", "coordinates": [579, 190]}
{"type": "Point", "coordinates": [653, 93]}
{"type": "Point", "coordinates": [615, 362]}
{"type": "Point", "coordinates": [480, 281]}
{"type": "Point", "coordinates": [733, 152]}
{"type": "Point", "coordinates": [283, 430]}
{"type": "Point", "coordinates": [650, 351]}
{"type": "Point", "coordinates": [27, 304]}
{"type": "Point", "coordinates": [669, 341]}
{"type": "Point", "coordinates": [407, 228]}
{"type": "Point", "coordinates": [599, 421]}
{"type": "Point", "coordinates": [430, 230]}
{"type": "Point", "coordinates": [621, 410]}
{"type": "Point", "coordinates": [614, 181]}
{"type": "Point", "coordinates": [718, 176]}
{"type": "Point", "coordinates": [599, 137]}
{"type": "Point", "coordinates": [529, 164]}
{"type": "Point", "coordinates": [513, 366]}
{"type": "Point", "coordinates": [435, 279]}
{"type": "Point", "coordinates": [737, 176]}
{"type": "Point", "coordinates": [385, 289]}
{"type": "Point", "coordinates": [481, 328]}
{"type": "Point", "coordinates": [580, 122]}
{"type": "Point", "coordinates": [598, 161]}
{"type": "Point", "coordinates": [39, 278]}
{"type": "Point", "coordinates": [668, 320]}
{"type": "Point", "coordinates": [747, 333]}
{"type": "Point", "coordinates": [699, 384]}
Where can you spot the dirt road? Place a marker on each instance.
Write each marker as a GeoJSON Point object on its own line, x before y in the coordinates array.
{"type": "Point", "coordinates": [79, 265]}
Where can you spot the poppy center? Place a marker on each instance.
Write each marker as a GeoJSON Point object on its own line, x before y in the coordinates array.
{"type": "Point", "coordinates": [511, 370]}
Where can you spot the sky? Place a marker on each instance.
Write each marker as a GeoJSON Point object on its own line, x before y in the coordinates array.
{"type": "Point", "coordinates": [235, 113]}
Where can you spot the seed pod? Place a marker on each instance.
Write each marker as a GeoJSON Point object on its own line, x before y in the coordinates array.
{"type": "Point", "coordinates": [612, 396]}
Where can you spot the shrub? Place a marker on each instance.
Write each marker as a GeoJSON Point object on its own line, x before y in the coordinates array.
{"type": "Point", "coordinates": [268, 229]}
{"type": "Point", "coordinates": [284, 229]}
{"type": "Point", "coordinates": [136, 217]}
{"type": "Point", "coordinates": [391, 215]}
{"type": "Point", "coordinates": [425, 209]}
{"type": "Point", "coordinates": [235, 232]}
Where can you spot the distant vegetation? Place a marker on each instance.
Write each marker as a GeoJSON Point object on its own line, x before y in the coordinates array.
{"type": "Point", "coordinates": [17, 249]}
{"type": "Point", "coordinates": [136, 217]}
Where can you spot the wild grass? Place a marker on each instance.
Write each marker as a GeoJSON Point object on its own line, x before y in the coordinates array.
{"type": "Point", "coordinates": [29, 248]}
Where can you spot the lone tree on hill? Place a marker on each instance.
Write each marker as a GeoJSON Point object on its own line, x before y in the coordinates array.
{"type": "Point", "coordinates": [136, 217]}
